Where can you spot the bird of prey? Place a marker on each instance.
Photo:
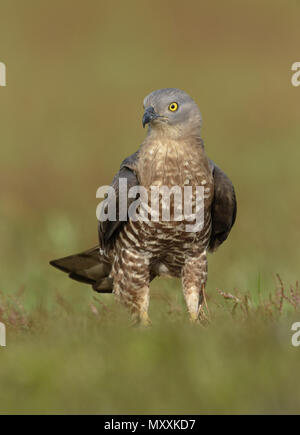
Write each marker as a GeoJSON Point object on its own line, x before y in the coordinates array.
{"type": "Point", "coordinates": [132, 252]}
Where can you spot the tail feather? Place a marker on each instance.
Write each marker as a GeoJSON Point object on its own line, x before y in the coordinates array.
{"type": "Point", "coordinates": [87, 267]}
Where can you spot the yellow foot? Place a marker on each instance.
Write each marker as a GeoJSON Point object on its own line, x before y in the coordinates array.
{"type": "Point", "coordinates": [200, 317]}
{"type": "Point", "coordinates": [144, 319]}
{"type": "Point", "coordinates": [141, 320]}
{"type": "Point", "coordinates": [194, 317]}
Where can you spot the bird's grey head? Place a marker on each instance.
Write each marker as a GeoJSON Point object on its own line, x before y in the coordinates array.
{"type": "Point", "coordinates": [173, 112]}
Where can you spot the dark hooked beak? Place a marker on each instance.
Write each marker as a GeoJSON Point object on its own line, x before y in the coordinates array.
{"type": "Point", "coordinates": [149, 115]}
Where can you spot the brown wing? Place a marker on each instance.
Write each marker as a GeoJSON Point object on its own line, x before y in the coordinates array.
{"type": "Point", "coordinates": [90, 266]}
{"type": "Point", "coordinates": [223, 209]}
{"type": "Point", "coordinates": [108, 230]}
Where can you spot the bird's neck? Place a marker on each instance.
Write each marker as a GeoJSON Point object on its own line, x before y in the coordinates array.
{"type": "Point", "coordinates": [170, 162]}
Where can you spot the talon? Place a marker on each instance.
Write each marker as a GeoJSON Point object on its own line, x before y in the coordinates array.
{"type": "Point", "coordinates": [194, 317]}
{"type": "Point", "coordinates": [204, 318]}
{"type": "Point", "coordinates": [144, 319]}
{"type": "Point", "coordinates": [141, 319]}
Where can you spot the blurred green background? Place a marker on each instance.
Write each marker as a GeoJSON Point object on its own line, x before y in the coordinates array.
{"type": "Point", "coordinates": [77, 73]}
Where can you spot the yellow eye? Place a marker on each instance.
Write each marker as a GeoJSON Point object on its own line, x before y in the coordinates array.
{"type": "Point", "coordinates": [173, 107]}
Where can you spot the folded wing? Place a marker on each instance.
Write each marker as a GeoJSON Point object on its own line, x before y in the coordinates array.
{"type": "Point", "coordinates": [91, 267]}
{"type": "Point", "coordinates": [224, 207]}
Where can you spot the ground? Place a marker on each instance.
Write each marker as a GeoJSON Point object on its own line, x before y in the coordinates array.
{"type": "Point", "coordinates": [90, 359]}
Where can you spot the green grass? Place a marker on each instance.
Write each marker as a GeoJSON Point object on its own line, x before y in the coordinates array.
{"type": "Point", "coordinates": [88, 358]}
{"type": "Point", "coordinates": [71, 112]}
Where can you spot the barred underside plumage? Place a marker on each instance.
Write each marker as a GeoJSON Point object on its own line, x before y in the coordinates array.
{"type": "Point", "coordinates": [164, 248]}
{"type": "Point", "coordinates": [132, 253]}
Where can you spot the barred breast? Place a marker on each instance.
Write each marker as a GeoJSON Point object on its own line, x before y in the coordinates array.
{"type": "Point", "coordinates": [168, 243]}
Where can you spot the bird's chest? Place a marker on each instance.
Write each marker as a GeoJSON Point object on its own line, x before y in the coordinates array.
{"type": "Point", "coordinates": [175, 170]}
{"type": "Point", "coordinates": [172, 163]}
{"type": "Point", "coordinates": [179, 185]}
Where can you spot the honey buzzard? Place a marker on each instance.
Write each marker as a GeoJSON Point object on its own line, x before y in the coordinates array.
{"type": "Point", "coordinates": [133, 252]}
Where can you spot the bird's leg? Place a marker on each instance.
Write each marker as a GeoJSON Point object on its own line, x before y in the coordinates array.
{"type": "Point", "coordinates": [194, 275]}
{"type": "Point", "coordinates": [140, 309]}
{"type": "Point", "coordinates": [131, 284]}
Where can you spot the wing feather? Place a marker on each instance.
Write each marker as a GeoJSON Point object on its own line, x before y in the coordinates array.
{"type": "Point", "coordinates": [108, 229]}
{"type": "Point", "coordinates": [90, 266]}
{"type": "Point", "coordinates": [223, 209]}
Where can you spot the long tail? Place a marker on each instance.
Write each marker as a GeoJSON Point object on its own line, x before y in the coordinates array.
{"type": "Point", "coordinates": [87, 267]}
